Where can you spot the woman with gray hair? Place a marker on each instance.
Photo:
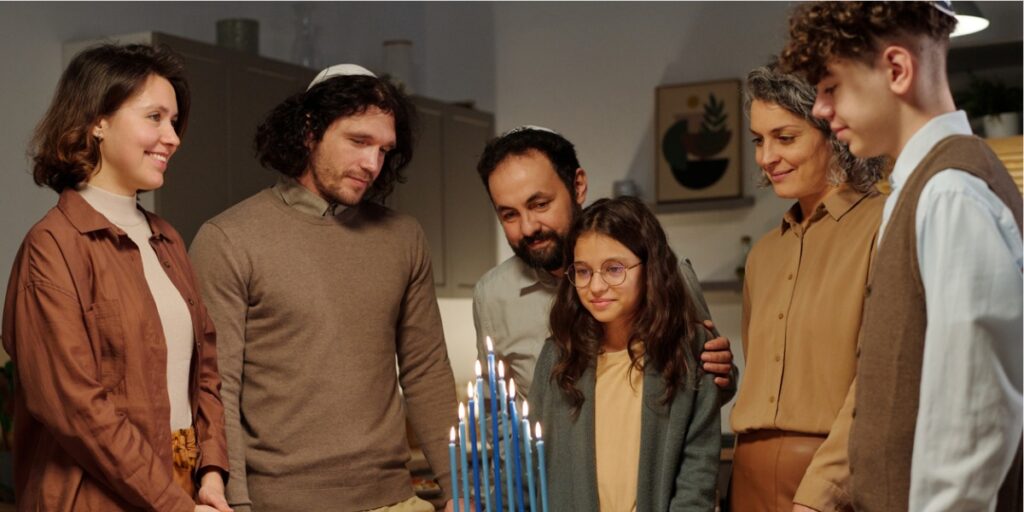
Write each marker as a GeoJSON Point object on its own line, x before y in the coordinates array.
{"type": "Point", "coordinates": [802, 298]}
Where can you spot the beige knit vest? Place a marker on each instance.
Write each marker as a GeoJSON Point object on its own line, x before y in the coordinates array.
{"type": "Point", "coordinates": [891, 346]}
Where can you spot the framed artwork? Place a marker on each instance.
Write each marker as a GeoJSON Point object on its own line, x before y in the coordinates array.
{"type": "Point", "coordinates": [697, 141]}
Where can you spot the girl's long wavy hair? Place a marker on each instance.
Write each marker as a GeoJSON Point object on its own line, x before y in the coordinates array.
{"type": "Point", "coordinates": [665, 319]}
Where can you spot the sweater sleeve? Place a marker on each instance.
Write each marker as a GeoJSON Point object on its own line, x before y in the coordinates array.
{"type": "Point", "coordinates": [694, 289]}
{"type": "Point", "coordinates": [49, 341]}
{"type": "Point", "coordinates": [425, 372]}
{"type": "Point", "coordinates": [222, 274]}
{"type": "Point", "coordinates": [698, 474]}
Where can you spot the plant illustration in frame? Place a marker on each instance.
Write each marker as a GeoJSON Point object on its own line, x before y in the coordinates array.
{"type": "Point", "coordinates": [697, 139]}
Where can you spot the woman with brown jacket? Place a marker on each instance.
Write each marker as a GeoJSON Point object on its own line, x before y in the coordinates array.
{"type": "Point", "coordinates": [117, 404]}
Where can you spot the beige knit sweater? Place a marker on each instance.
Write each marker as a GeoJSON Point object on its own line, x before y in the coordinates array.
{"type": "Point", "coordinates": [312, 313]}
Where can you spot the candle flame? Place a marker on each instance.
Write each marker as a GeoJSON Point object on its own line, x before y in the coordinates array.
{"type": "Point", "coordinates": [469, 390]}
{"type": "Point", "coordinates": [490, 344]}
{"type": "Point", "coordinates": [526, 409]}
{"type": "Point", "coordinates": [538, 431]}
{"type": "Point", "coordinates": [462, 411]}
{"type": "Point", "coordinates": [453, 434]}
{"type": "Point", "coordinates": [512, 388]}
{"type": "Point", "coordinates": [501, 369]}
{"type": "Point", "coordinates": [478, 368]}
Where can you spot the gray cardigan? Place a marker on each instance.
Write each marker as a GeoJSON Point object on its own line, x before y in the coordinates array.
{"type": "Point", "coordinates": [679, 445]}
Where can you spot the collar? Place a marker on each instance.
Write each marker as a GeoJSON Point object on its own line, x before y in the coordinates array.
{"type": "Point", "coordinates": [835, 205]}
{"type": "Point", "coordinates": [532, 279]}
{"type": "Point", "coordinates": [86, 219]}
{"type": "Point", "coordinates": [295, 195]}
{"type": "Point", "coordinates": [936, 129]}
{"type": "Point", "coordinates": [123, 211]}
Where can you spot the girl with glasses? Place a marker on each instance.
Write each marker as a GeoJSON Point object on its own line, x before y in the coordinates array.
{"type": "Point", "coordinates": [631, 422]}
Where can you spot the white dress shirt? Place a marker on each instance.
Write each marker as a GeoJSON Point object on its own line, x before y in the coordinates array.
{"type": "Point", "coordinates": [969, 248]}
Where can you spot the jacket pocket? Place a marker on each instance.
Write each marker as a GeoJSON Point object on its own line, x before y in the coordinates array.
{"type": "Point", "coordinates": [107, 333]}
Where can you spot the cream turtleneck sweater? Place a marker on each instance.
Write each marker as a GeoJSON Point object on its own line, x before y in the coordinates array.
{"type": "Point", "coordinates": [123, 212]}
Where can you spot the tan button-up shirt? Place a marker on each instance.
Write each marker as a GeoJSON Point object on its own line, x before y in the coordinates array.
{"type": "Point", "coordinates": [92, 413]}
{"type": "Point", "coordinates": [802, 301]}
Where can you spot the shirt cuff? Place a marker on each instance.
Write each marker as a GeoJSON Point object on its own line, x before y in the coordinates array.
{"type": "Point", "coordinates": [821, 495]}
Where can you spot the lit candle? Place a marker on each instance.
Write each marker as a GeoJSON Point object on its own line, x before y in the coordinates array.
{"type": "Point", "coordinates": [455, 472]}
{"type": "Point", "coordinates": [462, 451]}
{"type": "Point", "coordinates": [494, 424]}
{"type": "Point", "coordinates": [514, 419]}
{"type": "Point", "coordinates": [505, 434]}
{"type": "Point", "coordinates": [528, 450]}
{"type": "Point", "coordinates": [472, 442]}
{"type": "Point", "coordinates": [482, 417]}
{"type": "Point", "coordinates": [542, 472]}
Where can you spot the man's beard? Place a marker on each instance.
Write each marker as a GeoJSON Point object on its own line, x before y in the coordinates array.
{"type": "Point", "coordinates": [333, 195]}
{"type": "Point", "coordinates": [552, 258]}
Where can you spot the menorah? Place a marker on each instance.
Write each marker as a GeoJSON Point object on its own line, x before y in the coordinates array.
{"type": "Point", "coordinates": [509, 430]}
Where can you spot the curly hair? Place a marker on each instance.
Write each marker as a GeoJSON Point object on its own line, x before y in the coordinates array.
{"type": "Point", "coordinates": [522, 140]}
{"type": "Point", "coordinates": [821, 31]}
{"type": "Point", "coordinates": [666, 318]}
{"type": "Point", "coordinates": [769, 85]}
{"type": "Point", "coordinates": [97, 81]}
{"type": "Point", "coordinates": [282, 139]}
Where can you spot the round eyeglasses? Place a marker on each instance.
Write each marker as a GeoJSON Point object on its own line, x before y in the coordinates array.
{"type": "Point", "coordinates": [613, 273]}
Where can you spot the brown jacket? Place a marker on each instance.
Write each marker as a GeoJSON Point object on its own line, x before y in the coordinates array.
{"type": "Point", "coordinates": [892, 337]}
{"type": "Point", "coordinates": [92, 414]}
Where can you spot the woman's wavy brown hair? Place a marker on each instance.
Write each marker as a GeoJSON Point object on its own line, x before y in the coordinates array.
{"type": "Point", "coordinates": [821, 31]}
{"type": "Point", "coordinates": [665, 320]}
{"type": "Point", "coordinates": [95, 84]}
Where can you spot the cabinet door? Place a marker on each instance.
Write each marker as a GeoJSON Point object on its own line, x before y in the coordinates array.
{"type": "Point", "coordinates": [468, 214]}
{"type": "Point", "coordinates": [422, 194]}
{"type": "Point", "coordinates": [254, 87]}
{"type": "Point", "coordinates": [216, 167]}
{"type": "Point", "coordinates": [197, 183]}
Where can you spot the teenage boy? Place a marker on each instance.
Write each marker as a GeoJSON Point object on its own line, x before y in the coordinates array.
{"type": "Point", "coordinates": [938, 413]}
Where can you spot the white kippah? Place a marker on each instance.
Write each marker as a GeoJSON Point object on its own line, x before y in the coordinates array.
{"type": "Point", "coordinates": [530, 127]}
{"type": "Point", "coordinates": [340, 70]}
{"type": "Point", "coordinates": [946, 6]}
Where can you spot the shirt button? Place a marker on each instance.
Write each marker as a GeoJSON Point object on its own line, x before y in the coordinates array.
{"type": "Point", "coordinates": [778, 357]}
{"type": "Point", "coordinates": [167, 264]}
{"type": "Point", "coordinates": [790, 277]}
{"type": "Point", "coordinates": [867, 291]}
{"type": "Point", "coordinates": [191, 302]}
{"type": "Point", "coordinates": [853, 412]}
{"type": "Point", "coordinates": [771, 399]}
{"type": "Point", "coordinates": [780, 316]}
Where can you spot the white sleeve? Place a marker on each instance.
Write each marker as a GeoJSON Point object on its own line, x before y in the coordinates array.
{"type": "Point", "coordinates": [969, 420]}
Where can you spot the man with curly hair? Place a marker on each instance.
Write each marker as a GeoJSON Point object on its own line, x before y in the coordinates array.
{"type": "Point", "coordinates": [938, 413]}
{"type": "Point", "coordinates": [316, 290]}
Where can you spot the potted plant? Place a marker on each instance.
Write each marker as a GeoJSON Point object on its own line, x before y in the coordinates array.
{"type": "Point", "coordinates": [996, 104]}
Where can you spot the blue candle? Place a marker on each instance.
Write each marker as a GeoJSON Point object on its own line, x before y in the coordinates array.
{"type": "Point", "coordinates": [472, 442]}
{"type": "Point", "coordinates": [455, 472]}
{"type": "Point", "coordinates": [462, 451]}
{"type": "Point", "coordinates": [543, 472]}
{"type": "Point", "coordinates": [505, 434]}
{"type": "Point", "coordinates": [528, 450]}
{"type": "Point", "coordinates": [494, 424]}
{"type": "Point", "coordinates": [483, 436]}
{"type": "Point", "coordinates": [514, 419]}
